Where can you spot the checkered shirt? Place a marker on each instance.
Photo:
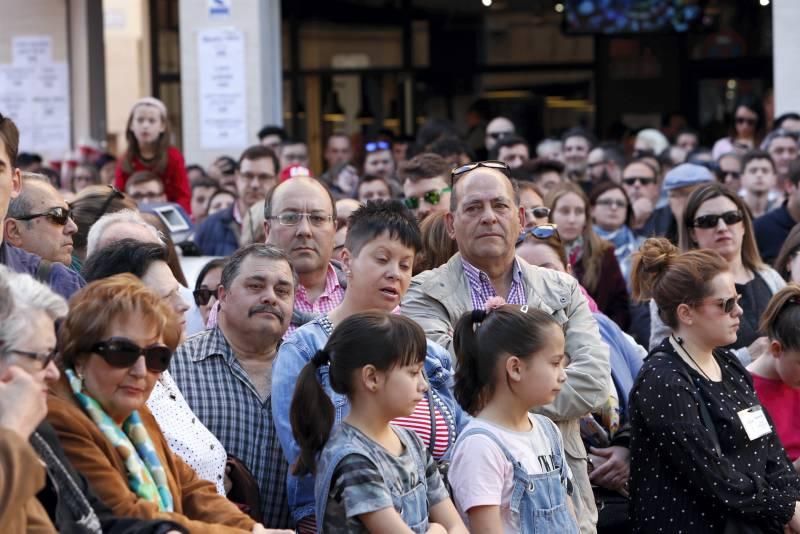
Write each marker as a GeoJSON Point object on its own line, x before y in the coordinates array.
{"type": "Point", "coordinates": [330, 297]}
{"type": "Point", "coordinates": [481, 288]}
{"type": "Point", "coordinates": [223, 397]}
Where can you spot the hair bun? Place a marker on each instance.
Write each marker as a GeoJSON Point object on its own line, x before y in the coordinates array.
{"type": "Point", "coordinates": [657, 254]}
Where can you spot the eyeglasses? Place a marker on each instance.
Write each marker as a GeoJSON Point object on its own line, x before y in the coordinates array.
{"type": "Point", "coordinates": [491, 164]}
{"type": "Point", "coordinates": [44, 358]}
{"type": "Point", "coordinates": [431, 197]}
{"type": "Point", "coordinates": [724, 174]}
{"type": "Point", "coordinates": [543, 232]}
{"type": "Point", "coordinates": [711, 220]}
{"type": "Point", "coordinates": [612, 203]}
{"type": "Point", "coordinates": [745, 120]}
{"type": "Point", "coordinates": [377, 145]}
{"type": "Point", "coordinates": [121, 352]}
{"type": "Point", "coordinates": [499, 135]}
{"type": "Point", "coordinates": [291, 218]}
{"type": "Point", "coordinates": [644, 180]}
{"type": "Point", "coordinates": [539, 212]}
{"type": "Point", "coordinates": [57, 215]}
{"type": "Point", "coordinates": [728, 305]}
{"type": "Point", "coordinates": [203, 295]}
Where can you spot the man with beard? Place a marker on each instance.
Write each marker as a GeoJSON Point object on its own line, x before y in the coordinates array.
{"type": "Point", "coordinates": [225, 373]}
{"type": "Point", "coordinates": [256, 174]}
{"type": "Point", "coordinates": [605, 162]}
{"type": "Point", "coordinates": [300, 220]}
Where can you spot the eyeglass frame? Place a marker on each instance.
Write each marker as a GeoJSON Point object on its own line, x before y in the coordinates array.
{"type": "Point", "coordinates": [101, 348]}
{"type": "Point", "coordinates": [306, 215]}
{"type": "Point", "coordinates": [717, 217]}
{"type": "Point", "coordinates": [501, 166]}
{"type": "Point", "coordinates": [35, 356]}
{"type": "Point", "coordinates": [52, 217]}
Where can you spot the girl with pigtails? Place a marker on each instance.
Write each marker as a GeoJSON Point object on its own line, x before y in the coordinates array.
{"type": "Point", "coordinates": [508, 472]}
{"type": "Point", "coordinates": [371, 475]}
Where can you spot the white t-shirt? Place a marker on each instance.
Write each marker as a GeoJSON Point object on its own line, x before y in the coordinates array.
{"type": "Point", "coordinates": [481, 475]}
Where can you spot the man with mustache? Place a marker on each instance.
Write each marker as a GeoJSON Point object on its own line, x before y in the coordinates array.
{"type": "Point", "coordinates": [300, 220]}
{"type": "Point", "coordinates": [225, 373]}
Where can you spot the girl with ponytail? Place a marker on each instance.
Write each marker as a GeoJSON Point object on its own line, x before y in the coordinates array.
{"type": "Point", "coordinates": [776, 374]}
{"type": "Point", "coordinates": [509, 472]}
{"type": "Point", "coordinates": [705, 456]}
{"type": "Point", "coordinates": [371, 475]}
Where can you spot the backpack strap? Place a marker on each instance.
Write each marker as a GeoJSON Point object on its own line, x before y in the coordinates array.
{"type": "Point", "coordinates": [43, 271]}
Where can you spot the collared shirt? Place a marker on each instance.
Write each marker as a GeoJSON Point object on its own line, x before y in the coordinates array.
{"type": "Point", "coordinates": [186, 435]}
{"type": "Point", "coordinates": [481, 288]}
{"type": "Point", "coordinates": [224, 398]}
{"type": "Point", "coordinates": [331, 296]}
{"type": "Point", "coordinates": [62, 280]}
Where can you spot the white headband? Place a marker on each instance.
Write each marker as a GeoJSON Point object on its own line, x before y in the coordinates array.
{"type": "Point", "coordinates": [151, 101]}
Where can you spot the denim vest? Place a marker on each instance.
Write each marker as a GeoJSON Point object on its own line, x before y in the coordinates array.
{"type": "Point", "coordinates": [539, 502]}
{"type": "Point", "coordinates": [411, 505]}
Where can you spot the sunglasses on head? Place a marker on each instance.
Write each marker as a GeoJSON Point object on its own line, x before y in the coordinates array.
{"type": "Point", "coordinates": [542, 232]}
{"type": "Point", "coordinates": [644, 180]}
{"type": "Point", "coordinates": [121, 352]}
{"type": "Point", "coordinates": [491, 164]}
{"type": "Point", "coordinates": [114, 193]}
{"type": "Point", "coordinates": [203, 295]}
{"type": "Point", "coordinates": [728, 305]}
{"type": "Point", "coordinates": [711, 220]}
{"type": "Point", "coordinates": [377, 145]}
{"type": "Point", "coordinates": [57, 215]}
{"type": "Point", "coordinates": [431, 197]}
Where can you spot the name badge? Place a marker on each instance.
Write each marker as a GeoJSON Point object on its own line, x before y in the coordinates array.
{"type": "Point", "coordinates": [755, 422]}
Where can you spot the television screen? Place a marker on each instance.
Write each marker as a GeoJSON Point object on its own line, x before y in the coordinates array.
{"type": "Point", "coordinates": [633, 16]}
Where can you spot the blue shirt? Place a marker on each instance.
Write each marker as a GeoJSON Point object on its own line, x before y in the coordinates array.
{"type": "Point", "coordinates": [771, 230]}
{"type": "Point", "coordinates": [62, 280]}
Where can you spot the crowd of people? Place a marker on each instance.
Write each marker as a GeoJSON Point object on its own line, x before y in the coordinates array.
{"type": "Point", "coordinates": [424, 336]}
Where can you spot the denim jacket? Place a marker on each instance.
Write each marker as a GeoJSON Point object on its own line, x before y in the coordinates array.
{"type": "Point", "coordinates": [293, 355]}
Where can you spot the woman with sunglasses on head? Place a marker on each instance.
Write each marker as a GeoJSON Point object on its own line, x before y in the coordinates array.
{"type": "Point", "coordinates": [717, 219]}
{"type": "Point", "coordinates": [776, 374]}
{"type": "Point", "coordinates": [381, 243]}
{"type": "Point", "coordinates": [591, 258]}
{"type": "Point", "coordinates": [606, 433]}
{"type": "Point", "coordinates": [92, 203]}
{"type": "Point", "coordinates": [612, 213]}
{"type": "Point", "coordinates": [118, 338]}
{"type": "Point", "coordinates": [746, 130]}
{"type": "Point", "coordinates": [705, 456]}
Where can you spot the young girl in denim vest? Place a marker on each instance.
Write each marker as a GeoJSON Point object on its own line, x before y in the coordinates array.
{"type": "Point", "coordinates": [370, 475]}
{"type": "Point", "coordinates": [508, 472]}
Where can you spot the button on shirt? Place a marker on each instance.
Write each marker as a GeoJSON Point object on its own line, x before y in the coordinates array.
{"type": "Point", "coordinates": [226, 401]}
{"type": "Point", "coordinates": [481, 288]}
{"type": "Point", "coordinates": [330, 297]}
{"type": "Point", "coordinates": [186, 435]}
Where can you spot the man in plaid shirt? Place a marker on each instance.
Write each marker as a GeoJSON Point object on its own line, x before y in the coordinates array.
{"type": "Point", "coordinates": [225, 373]}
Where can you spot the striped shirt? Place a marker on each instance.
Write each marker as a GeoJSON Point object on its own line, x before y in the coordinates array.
{"type": "Point", "coordinates": [220, 392]}
{"type": "Point", "coordinates": [481, 288]}
{"type": "Point", "coordinates": [331, 296]}
{"type": "Point", "coordinates": [420, 422]}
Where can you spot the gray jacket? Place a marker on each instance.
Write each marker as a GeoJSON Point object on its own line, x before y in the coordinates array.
{"type": "Point", "coordinates": [658, 330]}
{"type": "Point", "coordinates": [439, 297]}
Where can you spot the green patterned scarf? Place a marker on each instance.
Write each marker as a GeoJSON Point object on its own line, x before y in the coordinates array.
{"type": "Point", "coordinates": [146, 476]}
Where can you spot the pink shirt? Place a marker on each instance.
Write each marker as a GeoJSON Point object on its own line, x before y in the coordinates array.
{"type": "Point", "coordinates": [782, 403]}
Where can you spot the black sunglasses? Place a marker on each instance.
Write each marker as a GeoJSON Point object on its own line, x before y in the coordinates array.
{"type": "Point", "coordinates": [542, 232]}
{"type": "Point", "coordinates": [499, 135]}
{"type": "Point", "coordinates": [57, 215]}
{"type": "Point", "coordinates": [122, 352]}
{"type": "Point", "coordinates": [712, 219]}
{"type": "Point", "coordinates": [203, 295]}
{"type": "Point", "coordinates": [431, 197]}
{"type": "Point", "coordinates": [644, 180]}
{"type": "Point", "coordinates": [539, 212]}
{"type": "Point", "coordinates": [490, 164]}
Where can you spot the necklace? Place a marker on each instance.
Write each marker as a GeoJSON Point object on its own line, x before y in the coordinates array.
{"type": "Point", "coordinates": [679, 342]}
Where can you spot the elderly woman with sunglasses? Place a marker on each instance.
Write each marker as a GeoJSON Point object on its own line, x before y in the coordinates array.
{"type": "Point", "coordinates": [717, 219]}
{"type": "Point", "coordinates": [118, 338]}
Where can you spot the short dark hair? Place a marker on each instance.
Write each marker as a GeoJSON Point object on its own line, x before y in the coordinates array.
{"type": "Point", "coordinates": [233, 266]}
{"type": "Point", "coordinates": [272, 191]}
{"type": "Point", "coordinates": [579, 132]}
{"type": "Point", "coordinates": [24, 159]}
{"type": "Point", "coordinates": [378, 217]}
{"type": "Point", "coordinates": [539, 166]}
{"type": "Point", "coordinates": [205, 181]}
{"type": "Point", "coordinates": [196, 167]}
{"type": "Point", "coordinates": [751, 155]}
{"type": "Point", "coordinates": [507, 142]}
{"type": "Point", "coordinates": [424, 166]}
{"type": "Point", "coordinates": [293, 141]}
{"type": "Point", "coordinates": [613, 152]}
{"type": "Point", "coordinates": [9, 134]}
{"type": "Point", "coordinates": [271, 129]}
{"type": "Point", "coordinates": [255, 152]}
{"type": "Point", "coordinates": [451, 146]}
{"type": "Point", "coordinates": [123, 256]}
{"type": "Point", "coordinates": [367, 178]}
{"type": "Point", "coordinates": [784, 117]}
{"type": "Point", "coordinates": [142, 177]}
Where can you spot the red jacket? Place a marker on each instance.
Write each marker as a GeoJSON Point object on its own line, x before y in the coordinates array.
{"type": "Point", "coordinates": [176, 181]}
